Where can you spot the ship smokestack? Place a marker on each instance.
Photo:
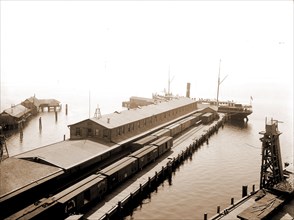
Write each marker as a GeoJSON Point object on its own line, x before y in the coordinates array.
{"type": "Point", "coordinates": [188, 90]}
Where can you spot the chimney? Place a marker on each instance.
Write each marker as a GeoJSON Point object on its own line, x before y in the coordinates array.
{"type": "Point", "coordinates": [188, 90]}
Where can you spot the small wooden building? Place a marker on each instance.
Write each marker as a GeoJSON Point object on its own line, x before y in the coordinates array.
{"type": "Point", "coordinates": [33, 104]}
{"type": "Point", "coordinates": [14, 117]}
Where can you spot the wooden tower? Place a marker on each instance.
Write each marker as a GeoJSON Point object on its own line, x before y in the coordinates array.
{"type": "Point", "coordinates": [271, 164]}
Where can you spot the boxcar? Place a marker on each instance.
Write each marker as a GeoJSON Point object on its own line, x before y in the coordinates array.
{"type": "Point", "coordinates": [161, 133]}
{"type": "Point", "coordinates": [67, 201]}
{"type": "Point", "coordinates": [185, 123]}
{"type": "Point", "coordinates": [119, 171]}
{"type": "Point", "coordinates": [164, 144]}
{"type": "Point", "coordinates": [198, 116]}
{"type": "Point", "coordinates": [207, 118]}
{"type": "Point", "coordinates": [174, 129]}
{"type": "Point", "coordinates": [145, 155]}
{"type": "Point", "coordinates": [83, 192]}
{"type": "Point", "coordinates": [143, 142]}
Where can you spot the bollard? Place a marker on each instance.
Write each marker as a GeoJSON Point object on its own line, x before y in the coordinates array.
{"type": "Point", "coordinates": [66, 108]}
{"type": "Point", "coordinates": [253, 188]}
{"type": "Point", "coordinates": [21, 136]}
{"type": "Point", "coordinates": [218, 210]}
{"type": "Point", "coordinates": [244, 191]}
{"type": "Point", "coordinates": [232, 201]}
{"type": "Point", "coordinates": [40, 123]}
{"type": "Point", "coordinates": [205, 216]}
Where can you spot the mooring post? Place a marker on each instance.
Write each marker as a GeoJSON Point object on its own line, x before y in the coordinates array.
{"type": "Point", "coordinates": [232, 201]}
{"type": "Point", "coordinates": [244, 191]}
{"type": "Point", "coordinates": [218, 210]}
{"type": "Point", "coordinates": [66, 108]}
{"type": "Point", "coordinates": [205, 216]}
{"type": "Point", "coordinates": [21, 136]}
{"type": "Point", "coordinates": [40, 123]}
{"type": "Point", "coordinates": [253, 188]}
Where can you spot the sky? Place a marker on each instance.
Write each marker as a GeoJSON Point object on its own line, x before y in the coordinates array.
{"type": "Point", "coordinates": [130, 48]}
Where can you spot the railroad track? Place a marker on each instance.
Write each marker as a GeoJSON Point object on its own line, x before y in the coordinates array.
{"type": "Point", "coordinates": [184, 136]}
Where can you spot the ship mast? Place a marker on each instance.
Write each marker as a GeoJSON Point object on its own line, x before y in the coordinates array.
{"type": "Point", "coordinates": [219, 82]}
{"type": "Point", "coordinates": [169, 82]}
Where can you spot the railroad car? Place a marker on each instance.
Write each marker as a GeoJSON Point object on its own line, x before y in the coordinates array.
{"type": "Point", "coordinates": [145, 155]}
{"type": "Point", "coordinates": [119, 171]}
{"type": "Point", "coordinates": [143, 142]}
{"type": "Point", "coordinates": [164, 144]}
{"type": "Point", "coordinates": [161, 133]}
{"type": "Point", "coordinates": [77, 196]}
{"type": "Point", "coordinates": [66, 202]}
{"type": "Point", "coordinates": [174, 129]}
{"type": "Point", "coordinates": [187, 122]}
{"type": "Point", "coordinates": [198, 115]}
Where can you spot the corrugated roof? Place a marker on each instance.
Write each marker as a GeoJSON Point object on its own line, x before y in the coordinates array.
{"type": "Point", "coordinates": [17, 111]}
{"type": "Point", "coordinates": [118, 119]}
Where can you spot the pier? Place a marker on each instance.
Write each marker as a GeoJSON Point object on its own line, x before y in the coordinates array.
{"type": "Point", "coordinates": [140, 185]}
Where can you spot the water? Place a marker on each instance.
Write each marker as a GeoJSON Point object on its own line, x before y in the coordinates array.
{"type": "Point", "coordinates": [214, 175]}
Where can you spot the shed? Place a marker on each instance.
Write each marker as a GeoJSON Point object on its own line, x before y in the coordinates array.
{"type": "Point", "coordinates": [11, 118]}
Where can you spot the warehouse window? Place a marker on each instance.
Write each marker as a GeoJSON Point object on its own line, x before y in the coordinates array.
{"type": "Point", "coordinates": [78, 131]}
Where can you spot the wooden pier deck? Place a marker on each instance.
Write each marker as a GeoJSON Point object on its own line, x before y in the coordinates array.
{"type": "Point", "coordinates": [182, 147]}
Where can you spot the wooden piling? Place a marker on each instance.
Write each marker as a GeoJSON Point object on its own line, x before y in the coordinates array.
{"type": "Point", "coordinates": [218, 209]}
{"type": "Point", "coordinates": [253, 188]}
{"type": "Point", "coordinates": [232, 201]}
{"type": "Point", "coordinates": [56, 116]}
{"type": "Point", "coordinates": [40, 123]}
{"type": "Point", "coordinates": [205, 216]}
{"type": "Point", "coordinates": [244, 191]}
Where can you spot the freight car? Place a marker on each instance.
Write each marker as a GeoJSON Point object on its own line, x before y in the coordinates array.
{"type": "Point", "coordinates": [163, 144]}
{"type": "Point", "coordinates": [119, 171]}
{"type": "Point", "coordinates": [74, 198]}
{"type": "Point", "coordinates": [67, 201]}
{"type": "Point", "coordinates": [145, 155]}
{"type": "Point", "coordinates": [143, 142]}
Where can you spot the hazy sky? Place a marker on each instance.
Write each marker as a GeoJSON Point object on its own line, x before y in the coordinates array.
{"type": "Point", "coordinates": [127, 48]}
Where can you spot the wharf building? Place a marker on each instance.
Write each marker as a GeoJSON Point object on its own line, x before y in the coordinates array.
{"type": "Point", "coordinates": [119, 126]}
{"type": "Point", "coordinates": [16, 116]}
